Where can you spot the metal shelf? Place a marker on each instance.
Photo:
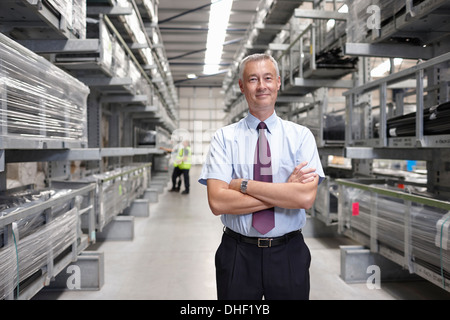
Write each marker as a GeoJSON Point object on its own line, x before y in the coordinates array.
{"type": "Point", "coordinates": [74, 154]}
{"type": "Point", "coordinates": [271, 17]}
{"type": "Point", "coordinates": [51, 253]}
{"type": "Point", "coordinates": [115, 191]}
{"type": "Point", "coordinates": [406, 227]}
{"type": "Point", "coordinates": [417, 72]}
{"type": "Point", "coordinates": [422, 23]}
{"type": "Point", "coordinates": [136, 95]}
{"type": "Point", "coordinates": [37, 19]}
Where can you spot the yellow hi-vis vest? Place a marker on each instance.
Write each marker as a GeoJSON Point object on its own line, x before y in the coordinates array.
{"type": "Point", "coordinates": [182, 162]}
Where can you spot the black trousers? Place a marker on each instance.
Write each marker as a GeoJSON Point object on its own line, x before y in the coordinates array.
{"type": "Point", "coordinates": [246, 272]}
{"type": "Point", "coordinates": [185, 173]}
{"type": "Point", "coordinates": [175, 174]}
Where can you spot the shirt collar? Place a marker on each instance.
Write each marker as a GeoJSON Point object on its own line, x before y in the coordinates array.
{"type": "Point", "coordinates": [253, 122]}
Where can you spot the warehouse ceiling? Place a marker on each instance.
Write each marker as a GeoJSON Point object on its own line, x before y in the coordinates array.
{"type": "Point", "coordinates": [184, 29]}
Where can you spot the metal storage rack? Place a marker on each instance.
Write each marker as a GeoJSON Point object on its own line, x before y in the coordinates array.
{"type": "Point", "coordinates": [272, 17]}
{"type": "Point", "coordinates": [51, 19]}
{"type": "Point", "coordinates": [431, 90]}
{"type": "Point", "coordinates": [311, 64]}
{"type": "Point", "coordinates": [403, 32]}
{"type": "Point", "coordinates": [313, 58]}
{"type": "Point", "coordinates": [142, 103]}
{"type": "Point", "coordinates": [408, 228]}
{"type": "Point", "coordinates": [113, 52]}
{"type": "Point", "coordinates": [41, 105]}
{"type": "Point", "coordinates": [115, 191]}
{"type": "Point", "coordinates": [403, 221]}
{"type": "Point", "coordinates": [41, 237]}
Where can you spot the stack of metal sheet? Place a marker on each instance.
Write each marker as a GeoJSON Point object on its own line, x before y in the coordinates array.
{"type": "Point", "coordinates": [398, 224]}
{"type": "Point", "coordinates": [38, 238]}
{"type": "Point", "coordinates": [39, 101]}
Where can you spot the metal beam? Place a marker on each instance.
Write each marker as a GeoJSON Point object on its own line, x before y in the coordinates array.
{"type": "Point", "coordinates": [278, 46]}
{"type": "Point", "coordinates": [45, 155]}
{"type": "Point", "coordinates": [110, 11]}
{"type": "Point", "coordinates": [327, 83]}
{"type": "Point", "coordinates": [320, 14]}
{"type": "Point", "coordinates": [388, 50]}
{"type": "Point", "coordinates": [398, 76]}
{"type": "Point", "coordinates": [62, 46]}
{"type": "Point", "coordinates": [141, 109]}
{"type": "Point", "coordinates": [185, 13]}
{"type": "Point", "coordinates": [123, 98]}
{"type": "Point", "coordinates": [264, 26]}
{"type": "Point", "coordinates": [97, 81]}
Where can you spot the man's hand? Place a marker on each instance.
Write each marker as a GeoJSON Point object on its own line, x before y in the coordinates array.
{"type": "Point", "coordinates": [300, 175]}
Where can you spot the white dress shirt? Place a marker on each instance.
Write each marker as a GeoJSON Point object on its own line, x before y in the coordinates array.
{"type": "Point", "coordinates": [231, 156]}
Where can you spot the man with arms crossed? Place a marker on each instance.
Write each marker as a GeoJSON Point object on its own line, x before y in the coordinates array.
{"type": "Point", "coordinates": [261, 174]}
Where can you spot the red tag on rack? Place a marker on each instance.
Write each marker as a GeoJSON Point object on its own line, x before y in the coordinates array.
{"type": "Point", "coordinates": [355, 209]}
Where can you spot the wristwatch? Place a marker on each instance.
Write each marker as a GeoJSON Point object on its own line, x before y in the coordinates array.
{"type": "Point", "coordinates": [244, 185]}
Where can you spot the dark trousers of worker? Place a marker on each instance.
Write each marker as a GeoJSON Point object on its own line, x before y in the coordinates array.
{"type": "Point", "coordinates": [246, 272]}
{"type": "Point", "coordinates": [185, 173]}
{"type": "Point", "coordinates": [175, 174]}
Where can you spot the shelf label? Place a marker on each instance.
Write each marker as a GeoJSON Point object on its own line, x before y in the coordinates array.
{"type": "Point", "coordinates": [355, 209]}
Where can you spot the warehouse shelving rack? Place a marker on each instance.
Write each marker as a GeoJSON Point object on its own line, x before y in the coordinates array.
{"type": "Point", "coordinates": [409, 228]}
{"type": "Point", "coordinates": [404, 32]}
{"type": "Point", "coordinates": [49, 19]}
{"type": "Point", "coordinates": [296, 46]}
{"type": "Point", "coordinates": [136, 106]}
{"type": "Point", "coordinates": [428, 91]}
{"type": "Point", "coordinates": [296, 43]}
{"type": "Point", "coordinates": [29, 263]}
{"type": "Point", "coordinates": [405, 221]}
{"type": "Point", "coordinates": [272, 17]}
{"type": "Point", "coordinates": [302, 70]}
{"type": "Point", "coordinates": [117, 95]}
{"type": "Point", "coordinates": [115, 191]}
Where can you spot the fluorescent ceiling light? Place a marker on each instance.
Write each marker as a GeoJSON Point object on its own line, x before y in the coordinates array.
{"type": "Point", "coordinates": [191, 76]}
{"type": "Point", "coordinates": [218, 23]}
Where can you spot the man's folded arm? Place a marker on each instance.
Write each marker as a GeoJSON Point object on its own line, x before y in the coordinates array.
{"type": "Point", "coordinates": [284, 195]}
{"type": "Point", "coordinates": [223, 200]}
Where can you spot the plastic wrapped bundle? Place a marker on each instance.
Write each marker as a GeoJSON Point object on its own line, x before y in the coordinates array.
{"type": "Point", "coordinates": [117, 189]}
{"type": "Point", "coordinates": [8, 270]}
{"type": "Point", "coordinates": [39, 102]}
{"type": "Point", "coordinates": [32, 252]}
{"type": "Point", "coordinates": [51, 239]}
{"type": "Point", "coordinates": [19, 200]}
{"type": "Point", "coordinates": [428, 226]}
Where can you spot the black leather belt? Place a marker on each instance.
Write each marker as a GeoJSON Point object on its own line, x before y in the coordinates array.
{"type": "Point", "coordinates": [263, 242]}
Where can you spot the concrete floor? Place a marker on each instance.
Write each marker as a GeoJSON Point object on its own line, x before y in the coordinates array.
{"type": "Point", "coordinates": [172, 258]}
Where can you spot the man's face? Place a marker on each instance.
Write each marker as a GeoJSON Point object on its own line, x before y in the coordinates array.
{"type": "Point", "coordinates": [260, 84]}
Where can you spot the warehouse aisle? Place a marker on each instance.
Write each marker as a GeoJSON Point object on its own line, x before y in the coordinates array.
{"type": "Point", "coordinates": [172, 258]}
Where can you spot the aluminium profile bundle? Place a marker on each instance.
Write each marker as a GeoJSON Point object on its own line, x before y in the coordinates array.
{"type": "Point", "coordinates": [38, 101]}
{"type": "Point", "coordinates": [403, 224]}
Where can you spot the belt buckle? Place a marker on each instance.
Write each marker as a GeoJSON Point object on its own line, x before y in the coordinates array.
{"type": "Point", "coordinates": [261, 245]}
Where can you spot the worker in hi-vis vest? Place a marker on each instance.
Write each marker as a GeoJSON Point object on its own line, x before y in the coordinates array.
{"type": "Point", "coordinates": [176, 172]}
{"type": "Point", "coordinates": [184, 163]}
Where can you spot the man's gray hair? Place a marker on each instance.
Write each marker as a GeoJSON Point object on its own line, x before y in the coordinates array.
{"type": "Point", "coordinates": [257, 57]}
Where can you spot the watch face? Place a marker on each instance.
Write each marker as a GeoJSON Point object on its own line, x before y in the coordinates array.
{"type": "Point", "coordinates": [244, 186]}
